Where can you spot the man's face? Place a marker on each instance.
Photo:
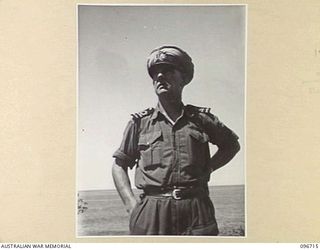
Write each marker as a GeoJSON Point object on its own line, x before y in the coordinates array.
{"type": "Point", "coordinates": [168, 81]}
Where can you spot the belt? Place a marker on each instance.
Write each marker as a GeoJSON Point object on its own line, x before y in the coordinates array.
{"type": "Point", "coordinates": [177, 193]}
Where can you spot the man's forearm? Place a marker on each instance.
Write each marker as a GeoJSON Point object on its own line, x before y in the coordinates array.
{"type": "Point", "coordinates": [122, 183]}
{"type": "Point", "coordinates": [223, 156]}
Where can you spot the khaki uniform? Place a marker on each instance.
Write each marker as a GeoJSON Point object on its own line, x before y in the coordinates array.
{"type": "Point", "coordinates": [170, 155]}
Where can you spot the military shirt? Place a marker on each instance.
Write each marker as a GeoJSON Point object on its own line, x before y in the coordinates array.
{"type": "Point", "coordinates": [168, 155]}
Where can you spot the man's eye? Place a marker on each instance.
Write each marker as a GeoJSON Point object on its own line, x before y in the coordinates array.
{"type": "Point", "coordinates": [164, 71]}
{"type": "Point", "coordinates": [168, 71]}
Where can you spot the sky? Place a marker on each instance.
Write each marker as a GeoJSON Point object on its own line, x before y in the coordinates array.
{"type": "Point", "coordinates": [113, 45]}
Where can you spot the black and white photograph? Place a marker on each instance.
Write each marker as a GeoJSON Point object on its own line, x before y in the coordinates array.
{"type": "Point", "coordinates": [161, 120]}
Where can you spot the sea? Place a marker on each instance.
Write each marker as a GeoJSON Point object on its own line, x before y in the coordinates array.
{"type": "Point", "coordinates": [101, 212]}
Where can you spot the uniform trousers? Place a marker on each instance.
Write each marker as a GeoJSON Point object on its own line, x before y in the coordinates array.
{"type": "Point", "coordinates": [155, 215]}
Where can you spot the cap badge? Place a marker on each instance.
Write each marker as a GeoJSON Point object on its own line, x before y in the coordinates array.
{"type": "Point", "coordinates": [161, 56]}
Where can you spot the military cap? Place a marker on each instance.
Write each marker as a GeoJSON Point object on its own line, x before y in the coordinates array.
{"type": "Point", "coordinates": [174, 56]}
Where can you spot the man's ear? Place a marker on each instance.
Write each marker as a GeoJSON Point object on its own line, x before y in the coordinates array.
{"type": "Point", "coordinates": [184, 77]}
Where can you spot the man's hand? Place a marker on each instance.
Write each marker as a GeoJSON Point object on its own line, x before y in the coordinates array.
{"type": "Point", "coordinates": [224, 154]}
{"type": "Point", "coordinates": [122, 183]}
{"type": "Point", "coordinates": [131, 207]}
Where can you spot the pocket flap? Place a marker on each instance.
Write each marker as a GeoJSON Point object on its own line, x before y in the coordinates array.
{"type": "Point", "coordinates": [201, 137]}
{"type": "Point", "coordinates": [147, 139]}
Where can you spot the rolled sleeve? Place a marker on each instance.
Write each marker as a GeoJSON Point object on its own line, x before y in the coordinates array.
{"type": "Point", "coordinates": [219, 133]}
{"type": "Point", "coordinates": [127, 153]}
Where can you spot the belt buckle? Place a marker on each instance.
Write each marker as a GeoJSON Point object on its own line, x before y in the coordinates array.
{"type": "Point", "coordinates": [176, 194]}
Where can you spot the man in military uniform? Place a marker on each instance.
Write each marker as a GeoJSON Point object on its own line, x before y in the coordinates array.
{"type": "Point", "coordinates": [168, 145]}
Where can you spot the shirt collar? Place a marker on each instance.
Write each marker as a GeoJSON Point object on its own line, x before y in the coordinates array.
{"type": "Point", "coordinates": [155, 113]}
{"type": "Point", "coordinates": [158, 110]}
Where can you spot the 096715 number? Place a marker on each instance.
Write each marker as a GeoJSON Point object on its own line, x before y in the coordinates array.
{"type": "Point", "coordinates": [309, 245]}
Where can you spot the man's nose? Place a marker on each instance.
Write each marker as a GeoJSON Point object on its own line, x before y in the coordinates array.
{"type": "Point", "coordinates": [160, 76]}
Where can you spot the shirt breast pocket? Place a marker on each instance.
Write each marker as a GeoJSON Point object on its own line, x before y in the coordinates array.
{"type": "Point", "coordinates": [150, 148]}
{"type": "Point", "coordinates": [198, 148]}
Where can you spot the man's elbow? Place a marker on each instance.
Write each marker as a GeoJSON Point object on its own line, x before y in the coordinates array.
{"type": "Point", "coordinates": [231, 148]}
{"type": "Point", "coordinates": [237, 147]}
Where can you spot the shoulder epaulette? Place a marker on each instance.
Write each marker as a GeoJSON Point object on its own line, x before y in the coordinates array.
{"type": "Point", "coordinates": [143, 113]}
{"type": "Point", "coordinates": [199, 109]}
{"type": "Point", "coordinates": [204, 110]}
